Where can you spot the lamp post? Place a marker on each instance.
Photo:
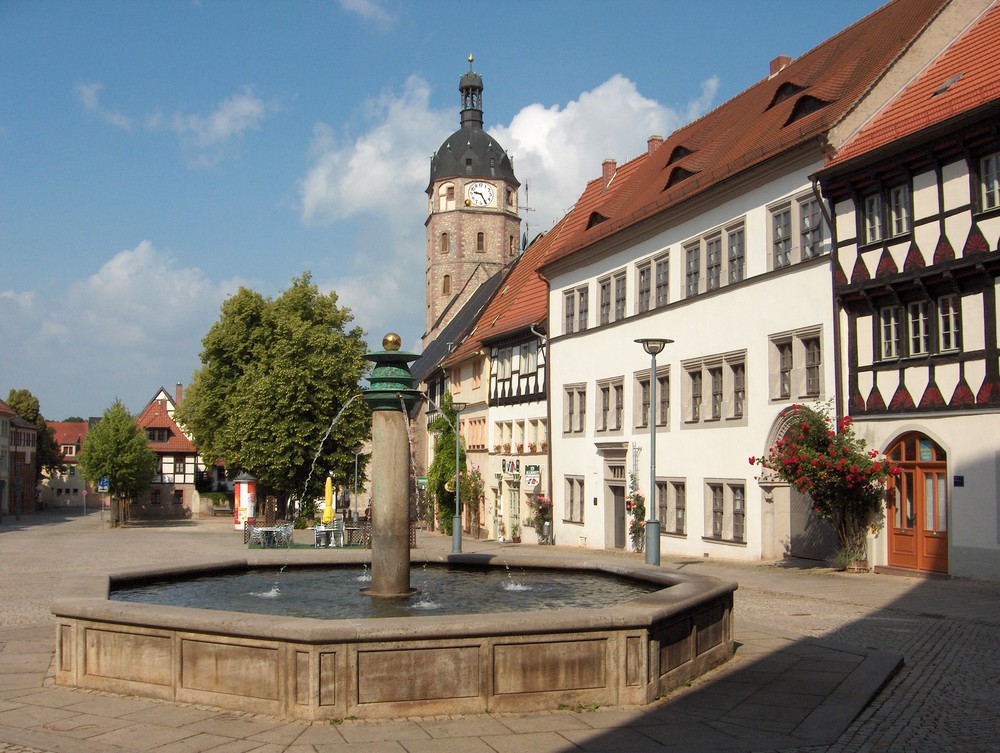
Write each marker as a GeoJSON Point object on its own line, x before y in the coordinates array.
{"type": "Point", "coordinates": [357, 451]}
{"type": "Point", "coordinates": [653, 346]}
{"type": "Point", "coordinates": [456, 521]}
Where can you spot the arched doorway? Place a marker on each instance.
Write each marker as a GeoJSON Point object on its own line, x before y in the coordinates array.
{"type": "Point", "coordinates": [917, 508]}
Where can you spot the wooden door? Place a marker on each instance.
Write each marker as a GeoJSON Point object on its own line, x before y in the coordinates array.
{"type": "Point", "coordinates": [918, 505]}
{"type": "Point", "coordinates": [621, 521]}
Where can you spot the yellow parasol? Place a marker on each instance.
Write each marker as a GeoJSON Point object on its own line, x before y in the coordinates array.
{"type": "Point", "coordinates": [328, 502]}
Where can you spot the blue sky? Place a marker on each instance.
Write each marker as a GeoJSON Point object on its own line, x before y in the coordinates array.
{"type": "Point", "coordinates": [156, 155]}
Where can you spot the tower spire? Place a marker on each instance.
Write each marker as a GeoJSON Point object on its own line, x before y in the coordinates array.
{"type": "Point", "coordinates": [471, 87]}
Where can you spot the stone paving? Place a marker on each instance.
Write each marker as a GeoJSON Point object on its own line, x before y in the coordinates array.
{"type": "Point", "coordinates": [815, 669]}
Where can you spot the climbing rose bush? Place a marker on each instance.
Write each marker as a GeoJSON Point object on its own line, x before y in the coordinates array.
{"type": "Point", "coordinates": [845, 480]}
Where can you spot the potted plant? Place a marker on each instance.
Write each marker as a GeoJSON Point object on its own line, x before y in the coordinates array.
{"type": "Point", "coordinates": [532, 447]}
{"type": "Point", "coordinates": [520, 447]}
{"type": "Point", "coordinates": [544, 445]}
{"type": "Point", "coordinates": [541, 514]}
{"type": "Point", "coordinates": [506, 448]}
{"type": "Point", "coordinates": [515, 533]}
{"type": "Point", "coordinates": [497, 448]}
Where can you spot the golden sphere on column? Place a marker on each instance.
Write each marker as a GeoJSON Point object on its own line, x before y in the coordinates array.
{"type": "Point", "coordinates": [392, 342]}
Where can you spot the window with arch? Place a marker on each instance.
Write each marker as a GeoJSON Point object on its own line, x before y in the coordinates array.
{"type": "Point", "coordinates": [480, 242]}
{"type": "Point", "coordinates": [446, 285]}
{"type": "Point", "coordinates": [446, 197]}
{"type": "Point", "coordinates": [445, 243]}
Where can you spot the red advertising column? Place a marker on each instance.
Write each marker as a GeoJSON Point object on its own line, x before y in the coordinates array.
{"type": "Point", "coordinates": [246, 492]}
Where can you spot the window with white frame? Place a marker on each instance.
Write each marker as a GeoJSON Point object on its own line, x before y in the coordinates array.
{"type": "Point", "coordinates": [713, 263]}
{"type": "Point", "coordinates": [529, 357]}
{"type": "Point", "coordinates": [949, 322]}
{"type": "Point", "coordinates": [796, 364]}
{"type": "Point", "coordinates": [989, 182]}
{"type": "Point", "coordinates": [736, 241]}
{"type": "Point", "coordinates": [919, 328]}
{"type": "Point", "coordinates": [662, 281]}
{"type": "Point", "coordinates": [574, 502]}
{"type": "Point", "coordinates": [504, 367]}
{"type": "Point", "coordinates": [781, 237]}
{"type": "Point", "coordinates": [872, 218]}
{"type": "Point", "coordinates": [619, 296]}
{"type": "Point", "coordinates": [692, 256]}
{"type": "Point", "coordinates": [889, 321]}
{"type": "Point", "coordinates": [900, 219]}
{"type": "Point", "coordinates": [725, 510]}
{"type": "Point", "coordinates": [574, 408]}
{"type": "Point", "coordinates": [645, 286]}
{"type": "Point", "coordinates": [604, 290]}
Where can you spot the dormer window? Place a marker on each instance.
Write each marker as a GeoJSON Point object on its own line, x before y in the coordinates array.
{"type": "Point", "coordinates": [679, 153]}
{"type": "Point", "coordinates": [805, 106]}
{"type": "Point", "coordinates": [787, 90]}
{"type": "Point", "coordinates": [676, 176]}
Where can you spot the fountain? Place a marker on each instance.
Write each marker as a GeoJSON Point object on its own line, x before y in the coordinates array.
{"type": "Point", "coordinates": [316, 669]}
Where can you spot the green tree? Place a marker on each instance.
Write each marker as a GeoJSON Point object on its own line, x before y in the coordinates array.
{"type": "Point", "coordinates": [274, 376]}
{"type": "Point", "coordinates": [116, 449]}
{"type": "Point", "coordinates": [26, 405]}
{"type": "Point", "coordinates": [441, 474]}
{"type": "Point", "coordinates": [845, 480]}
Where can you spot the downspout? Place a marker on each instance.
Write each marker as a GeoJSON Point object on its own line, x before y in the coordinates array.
{"type": "Point", "coordinates": [548, 401]}
{"type": "Point", "coordinates": [838, 364]}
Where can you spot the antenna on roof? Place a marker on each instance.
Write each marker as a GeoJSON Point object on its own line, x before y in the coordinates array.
{"type": "Point", "coordinates": [525, 207]}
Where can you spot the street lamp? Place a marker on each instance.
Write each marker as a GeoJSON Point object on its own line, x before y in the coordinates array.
{"type": "Point", "coordinates": [456, 522]}
{"type": "Point", "coordinates": [357, 451]}
{"type": "Point", "coordinates": [653, 346]}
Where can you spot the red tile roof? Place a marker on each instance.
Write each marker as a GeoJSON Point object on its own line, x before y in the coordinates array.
{"type": "Point", "coordinates": [5, 410]}
{"type": "Point", "coordinates": [967, 71]}
{"type": "Point", "coordinates": [68, 432]}
{"type": "Point", "coordinates": [155, 416]}
{"type": "Point", "coordinates": [792, 108]}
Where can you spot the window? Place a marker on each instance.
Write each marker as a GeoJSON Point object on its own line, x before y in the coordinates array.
{"type": "Point", "coordinates": [662, 282]}
{"type": "Point", "coordinates": [713, 262]}
{"type": "Point", "coordinates": [796, 361]}
{"type": "Point", "coordinates": [899, 210]}
{"type": "Point", "coordinates": [642, 407]}
{"type": "Point", "coordinates": [574, 499]}
{"type": "Point", "coordinates": [889, 327]}
{"type": "Point", "coordinates": [785, 370]}
{"type": "Point", "coordinates": [576, 305]}
{"type": "Point", "coordinates": [179, 465]}
{"type": "Point", "coordinates": [69, 450]}
{"type": "Point", "coordinates": [619, 296]}
{"type": "Point", "coordinates": [446, 285]}
{"type": "Point", "coordinates": [574, 408]}
{"type": "Point", "coordinates": [726, 511]}
{"type": "Point", "coordinates": [157, 434]}
{"type": "Point", "coordinates": [611, 405]}
{"type": "Point", "coordinates": [737, 254]}
{"type": "Point", "coordinates": [529, 357]}
{"type": "Point", "coordinates": [511, 248]}
{"type": "Point", "coordinates": [645, 287]}
{"type": "Point", "coordinates": [480, 242]}
{"type": "Point", "coordinates": [582, 308]}
{"type": "Point", "coordinates": [920, 336]}
{"type": "Point", "coordinates": [569, 311]}
{"type": "Point", "coordinates": [739, 389]}
{"type": "Point", "coordinates": [692, 254]}
{"type": "Point", "coordinates": [781, 237]}
{"type": "Point", "coordinates": [715, 375]}
{"type": "Point", "coordinates": [671, 498]}
{"type": "Point", "coordinates": [445, 243]}
{"type": "Point", "coordinates": [605, 300]}
{"type": "Point", "coordinates": [989, 177]}
{"type": "Point", "coordinates": [949, 327]}
{"type": "Point", "coordinates": [812, 229]}
{"type": "Point", "coordinates": [873, 218]}
{"type": "Point", "coordinates": [813, 361]}
{"type": "Point", "coordinates": [154, 497]}
{"type": "Point", "coordinates": [662, 398]}
{"type": "Point", "coordinates": [477, 373]}
{"type": "Point", "coordinates": [178, 496]}
{"type": "Point", "coordinates": [694, 412]}
{"type": "Point", "coordinates": [446, 197]}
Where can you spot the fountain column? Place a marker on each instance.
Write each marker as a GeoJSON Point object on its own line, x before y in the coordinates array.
{"type": "Point", "coordinates": [390, 395]}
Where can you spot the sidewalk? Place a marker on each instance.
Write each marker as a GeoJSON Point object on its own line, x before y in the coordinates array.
{"type": "Point", "coordinates": [815, 648]}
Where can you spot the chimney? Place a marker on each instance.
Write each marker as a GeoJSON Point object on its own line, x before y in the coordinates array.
{"type": "Point", "coordinates": [653, 143]}
{"type": "Point", "coordinates": [608, 168]}
{"type": "Point", "coordinates": [779, 62]}
{"type": "Point", "coordinates": [178, 393]}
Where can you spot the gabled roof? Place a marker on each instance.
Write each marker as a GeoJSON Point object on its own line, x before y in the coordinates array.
{"type": "Point", "coordinates": [784, 112]}
{"type": "Point", "coordinates": [68, 432]}
{"type": "Point", "coordinates": [441, 346]}
{"type": "Point", "coordinates": [964, 77]}
{"type": "Point", "coordinates": [156, 416]}
{"type": "Point", "coordinates": [5, 410]}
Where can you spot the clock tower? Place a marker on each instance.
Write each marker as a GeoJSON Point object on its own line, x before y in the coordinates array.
{"type": "Point", "coordinates": [472, 220]}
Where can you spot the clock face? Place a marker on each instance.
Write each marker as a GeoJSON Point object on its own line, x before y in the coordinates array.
{"type": "Point", "coordinates": [480, 194]}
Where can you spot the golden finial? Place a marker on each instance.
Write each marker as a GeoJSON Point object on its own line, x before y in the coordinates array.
{"type": "Point", "coordinates": [470, 61]}
{"type": "Point", "coordinates": [392, 342]}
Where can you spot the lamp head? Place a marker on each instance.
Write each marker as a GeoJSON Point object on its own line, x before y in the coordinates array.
{"type": "Point", "coordinates": [653, 345]}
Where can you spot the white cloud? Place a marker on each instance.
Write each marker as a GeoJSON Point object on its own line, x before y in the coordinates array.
{"type": "Point", "coordinates": [121, 332]}
{"type": "Point", "coordinates": [369, 10]}
{"type": "Point", "coordinates": [88, 96]}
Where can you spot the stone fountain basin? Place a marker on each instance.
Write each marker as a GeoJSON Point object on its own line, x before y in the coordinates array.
{"type": "Point", "coordinates": [314, 669]}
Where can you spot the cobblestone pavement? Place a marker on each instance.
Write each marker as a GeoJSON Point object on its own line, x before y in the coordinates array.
{"type": "Point", "coordinates": [944, 698]}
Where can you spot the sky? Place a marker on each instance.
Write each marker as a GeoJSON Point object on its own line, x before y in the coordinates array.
{"type": "Point", "coordinates": [156, 155]}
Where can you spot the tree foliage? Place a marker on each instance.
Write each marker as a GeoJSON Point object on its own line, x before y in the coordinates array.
{"type": "Point", "coordinates": [26, 405]}
{"type": "Point", "coordinates": [274, 375]}
{"type": "Point", "coordinates": [441, 474]}
{"type": "Point", "coordinates": [116, 449]}
{"type": "Point", "coordinates": [845, 480]}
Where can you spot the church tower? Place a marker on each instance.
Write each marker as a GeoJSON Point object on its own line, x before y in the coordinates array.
{"type": "Point", "coordinates": [472, 221]}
